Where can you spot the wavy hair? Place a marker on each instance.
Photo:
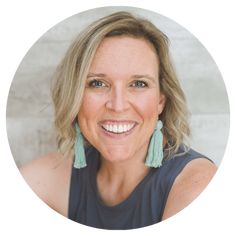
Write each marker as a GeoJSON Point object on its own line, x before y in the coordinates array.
{"type": "Point", "coordinates": [68, 83]}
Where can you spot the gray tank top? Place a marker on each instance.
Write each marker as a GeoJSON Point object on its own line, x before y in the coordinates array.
{"type": "Point", "coordinates": [143, 207]}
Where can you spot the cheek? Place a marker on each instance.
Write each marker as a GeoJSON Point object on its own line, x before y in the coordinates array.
{"type": "Point", "coordinates": [90, 107]}
{"type": "Point", "coordinates": [147, 105]}
{"type": "Point", "coordinates": [89, 110]}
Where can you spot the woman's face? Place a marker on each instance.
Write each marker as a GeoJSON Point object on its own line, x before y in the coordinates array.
{"type": "Point", "coordinates": [122, 99]}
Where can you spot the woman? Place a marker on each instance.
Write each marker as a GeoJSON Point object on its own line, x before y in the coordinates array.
{"type": "Point", "coordinates": [123, 161]}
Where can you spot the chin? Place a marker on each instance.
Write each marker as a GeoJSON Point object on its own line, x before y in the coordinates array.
{"type": "Point", "coordinates": [116, 154]}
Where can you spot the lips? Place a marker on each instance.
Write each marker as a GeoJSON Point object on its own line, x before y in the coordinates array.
{"type": "Point", "coordinates": [118, 127]}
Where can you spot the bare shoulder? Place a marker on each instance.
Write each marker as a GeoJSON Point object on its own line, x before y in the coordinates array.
{"type": "Point", "coordinates": [49, 178]}
{"type": "Point", "coordinates": [188, 185]}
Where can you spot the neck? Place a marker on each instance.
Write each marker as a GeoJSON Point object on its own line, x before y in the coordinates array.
{"type": "Point", "coordinates": [122, 170]}
{"type": "Point", "coordinates": [116, 180]}
{"type": "Point", "coordinates": [131, 167]}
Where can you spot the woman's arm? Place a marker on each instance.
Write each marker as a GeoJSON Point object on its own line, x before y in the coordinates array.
{"type": "Point", "coordinates": [49, 178]}
{"type": "Point", "coordinates": [188, 185]}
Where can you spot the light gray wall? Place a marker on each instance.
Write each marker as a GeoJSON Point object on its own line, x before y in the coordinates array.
{"type": "Point", "coordinates": [29, 110]}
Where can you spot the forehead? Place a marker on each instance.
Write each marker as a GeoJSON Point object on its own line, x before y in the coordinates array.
{"type": "Point", "coordinates": [123, 52]}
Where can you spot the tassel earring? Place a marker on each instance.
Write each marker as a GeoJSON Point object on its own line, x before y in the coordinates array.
{"type": "Point", "coordinates": [80, 161]}
{"type": "Point", "coordinates": [155, 149]}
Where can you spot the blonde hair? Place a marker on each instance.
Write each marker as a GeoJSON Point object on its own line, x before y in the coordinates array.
{"type": "Point", "coordinates": [69, 81]}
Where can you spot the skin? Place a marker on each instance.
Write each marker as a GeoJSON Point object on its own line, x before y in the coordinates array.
{"type": "Point", "coordinates": [117, 97]}
{"type": "Point", "coordinates": [119, 100]}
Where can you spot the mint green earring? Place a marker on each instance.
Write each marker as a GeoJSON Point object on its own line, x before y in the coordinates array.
{"type": "Point", "coordinates": [80, 161]}
{"type": "Point", "coordinates": [155, 149]}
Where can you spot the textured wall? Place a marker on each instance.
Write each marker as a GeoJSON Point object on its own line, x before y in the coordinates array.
{"type": "Point", "coordinates": [29, 110]}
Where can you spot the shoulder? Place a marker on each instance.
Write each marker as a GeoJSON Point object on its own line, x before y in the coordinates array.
{"type": "Point", "coordinates": [189, 184]}
{"type": "Point", "coordinates": [47, 176]}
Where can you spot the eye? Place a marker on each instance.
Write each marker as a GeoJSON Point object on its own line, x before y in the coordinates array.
{"type": "Point", "coordinates": [96, 84]}
{"type": "Point", "coordinates": [139, 84]}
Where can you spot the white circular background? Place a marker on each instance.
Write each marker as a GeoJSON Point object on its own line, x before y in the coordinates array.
{"type": "Point", "coordinates": [22, 23]}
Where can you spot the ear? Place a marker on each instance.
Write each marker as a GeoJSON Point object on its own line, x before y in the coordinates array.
{"type": "Point", "coordinates": [161, 103]}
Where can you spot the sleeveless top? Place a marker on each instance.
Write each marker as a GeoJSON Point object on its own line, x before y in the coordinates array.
{"type": "Point", "coordinates": [143, 207]}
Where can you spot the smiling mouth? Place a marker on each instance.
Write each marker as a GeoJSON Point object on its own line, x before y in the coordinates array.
{"type": "Point", "coordinates": [118, 128]}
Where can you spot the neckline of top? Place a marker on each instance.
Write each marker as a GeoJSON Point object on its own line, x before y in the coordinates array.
{"type": "Point", "coordinates": [127, 203]}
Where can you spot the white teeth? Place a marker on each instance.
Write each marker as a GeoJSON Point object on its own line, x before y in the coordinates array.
{"type": "Point", "coordinates": [109, 128]}
{"type": "Point", "coordinates": [118, 128]}
{"type": "Point", "coordinates": [129, 126]}
{"type": "Point", "coordinates": [115, 129]}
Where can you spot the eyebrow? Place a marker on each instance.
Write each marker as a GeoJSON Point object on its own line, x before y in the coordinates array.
{"type": "Point", "coordinates": [101, 75]}
{"type": "Point", "coordinates": [145, 76]}
{"type": "Point", "coordinates": [96, 75]}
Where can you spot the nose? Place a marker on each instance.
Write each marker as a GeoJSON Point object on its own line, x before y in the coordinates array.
{"type": "Point", "coordinates": [118, 99]}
